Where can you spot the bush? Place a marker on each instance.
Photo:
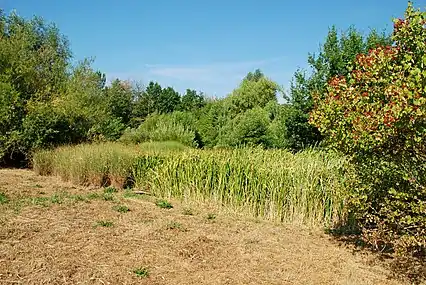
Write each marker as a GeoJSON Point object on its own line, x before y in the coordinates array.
{"type": "Point", "coordinates": [108, 130]}
{"type": "Point", "coordinates": [248, 128]}
{"type": "Point", "coordinates": [378, 115]}
{"type": "Point", "coordinates": [44, 126]}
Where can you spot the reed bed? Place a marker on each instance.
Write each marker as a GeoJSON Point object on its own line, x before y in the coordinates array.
{"type": "Point", "coordinates": [307, 187]}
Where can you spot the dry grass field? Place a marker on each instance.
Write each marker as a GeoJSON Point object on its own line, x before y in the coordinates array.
{"type": "Point", "coordinates": [52, 232]}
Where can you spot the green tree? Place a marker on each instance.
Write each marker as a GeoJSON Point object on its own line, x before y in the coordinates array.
{"type": "Point", "coordinates": [34, 61]}
{"type": "Point", "coordinates": [119, 100]}
{"type": "Point", "coordinates": [335, 58]}
{"type": "Point", "coordinates": [139, 111]}
{"type": "Point", "coordinates": [150, 97]}
{"type": "Point", "coordinates": [213, 116]}
{"type": "Point", "coordinates": [168, 100]}
{"type": "Point", "coordinates": [192, 101]}
{"type": "Point", "coordinates": [254, 76]}
{"type": "Point", "coordinates": [253, 93]}
{"type": "Point", "coordinates": [34, 57]}
{"type": "Point", "coordinates": [299, 133]}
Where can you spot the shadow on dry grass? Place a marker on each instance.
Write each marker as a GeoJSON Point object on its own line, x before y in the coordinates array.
{"type": "Point", "coordinates": [410, 269]}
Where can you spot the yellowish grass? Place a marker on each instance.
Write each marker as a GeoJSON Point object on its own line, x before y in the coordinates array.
{"type": "Point", "coordinates": [306, 187]}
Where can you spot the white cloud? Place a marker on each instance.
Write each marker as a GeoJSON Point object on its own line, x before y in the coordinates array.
{"type": "Point", "coordinates": [216, 79]}
{"type": "Point", "coordinates": [212, 72]}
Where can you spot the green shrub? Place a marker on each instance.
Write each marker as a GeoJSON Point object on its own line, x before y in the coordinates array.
{"type": "Point", "coordinates": [11, 114]}
{"type": "Point", "coordinates": [108, 130]}
{"type": "Point", "coordinates": [163, 204]}
{"type": "Point", "coordinates": [212, 118]}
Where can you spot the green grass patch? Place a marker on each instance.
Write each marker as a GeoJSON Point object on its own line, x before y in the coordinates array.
{"type": "Point", "coordinates": [110, 190]}
{"type": "Point", "coordinates": [129, 193]}
{"type": "Point", "coordinates": [163, 204]}
{"type": "Point", "coordinates": [105, 224]}
{"type": "Point", "coordinates": [188, 212]}
{"type": "Point", "coordinates": [3, 198]}
{"type": "Point", "coordinates": [41, 201]}
{"type": "Point", "coordinates": [142, 272]}
{"type": "Point", "coordinates": [108, 197]}
{"type": "Point", "coordinates": [59, 198]}
{"type": "Point", "coordinates": [93, 196]}
{"type": "Point", "coordinates": [78, 198]}
{"type": "Point", "coordinates": [121, 209]}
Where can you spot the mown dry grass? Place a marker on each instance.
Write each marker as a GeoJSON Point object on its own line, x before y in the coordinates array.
{"type": "Point", "coordinates": [58, 242]}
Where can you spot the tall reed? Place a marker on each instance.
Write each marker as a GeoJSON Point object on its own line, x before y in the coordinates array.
{"type": "Point", "coordinates": [307, 187]}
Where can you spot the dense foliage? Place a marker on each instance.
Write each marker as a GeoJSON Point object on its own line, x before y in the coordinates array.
{"type": "Point", "coordinates": [335, 58]}
{"type": "Point", "coordinates": [377, 114]}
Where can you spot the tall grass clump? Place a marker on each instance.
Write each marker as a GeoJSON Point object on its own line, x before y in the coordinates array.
{"type": "Point", "coordinates": [307, 187]}
{"type": "Point", "coordinates": [88, 164]}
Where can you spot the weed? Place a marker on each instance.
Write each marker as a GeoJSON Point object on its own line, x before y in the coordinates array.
{"type": "Point", "coordinates": [110, 190]}
{"type": "Point", "coordinates": [38, 186]}
{"type": "Point", "coordinates": [108, 197]}
{"type": "Point", "coordinates": [175, 226]}
{"type": "Point", "coordinates": [121, 209]}
{"type": "Point", "coordinates": [57, 198]}
{"type": "Point", "coordinates": [163, 204]}
{"type": "Point", "coordinates": [142, 272]}
{"type": "Point", "coordinates": [188, 212]}
{"type": "Point", "coordinates": [78, 198]}
{"type": "Point", "coordinates": [3, 198]}
{"type": "Point", "coordinates": [105, 224]}
{"type": "Point", "coordinates": [211, 216]}
{"type": "Point", "coordinates": [93, 196]}
{"type": "Point", "coordinates": [128, 193]}
{"type": "Point", "coordinates": [40, 201]}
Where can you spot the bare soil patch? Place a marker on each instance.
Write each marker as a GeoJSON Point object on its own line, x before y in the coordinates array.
{"type": "Point", "coordinates": [52, 232]}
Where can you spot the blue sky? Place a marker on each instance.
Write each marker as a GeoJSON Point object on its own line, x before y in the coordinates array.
{"type": "Point", "coordinates": [204, 45]}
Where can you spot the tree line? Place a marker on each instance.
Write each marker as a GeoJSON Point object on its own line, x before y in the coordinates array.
{"type": "Point", "coordinates": [47, 101]}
